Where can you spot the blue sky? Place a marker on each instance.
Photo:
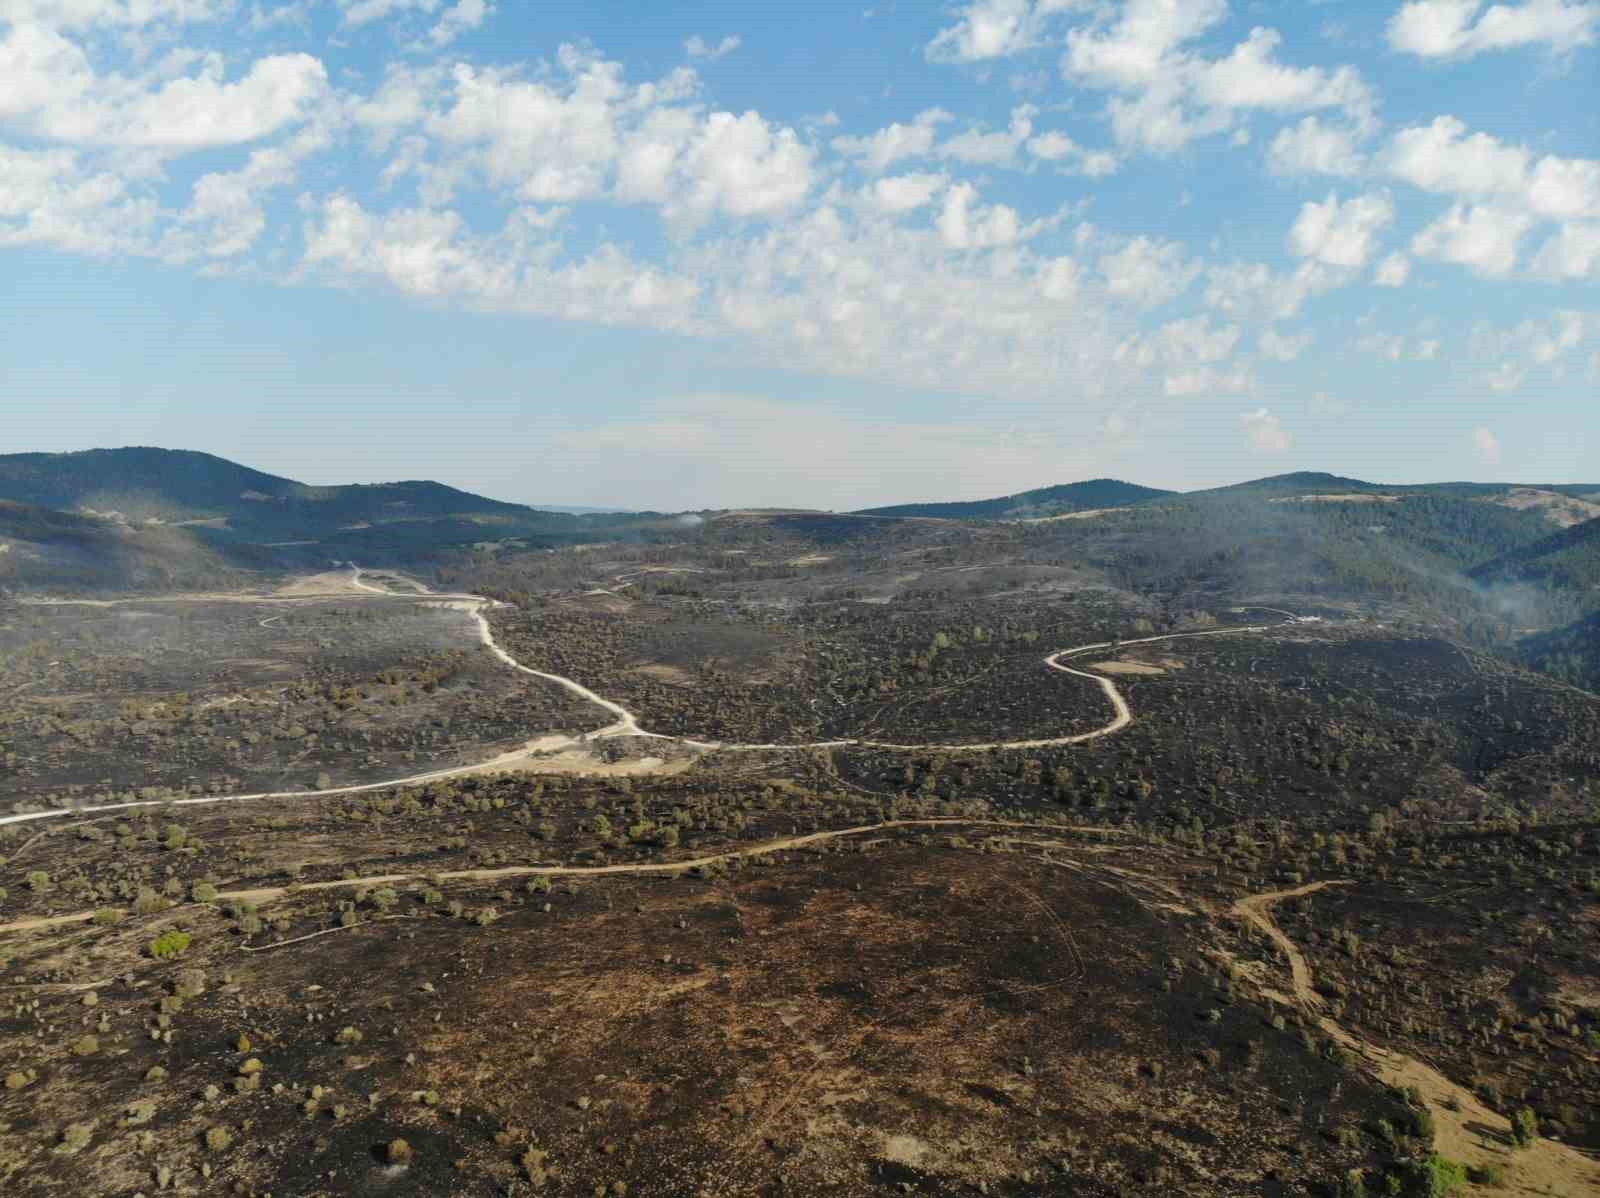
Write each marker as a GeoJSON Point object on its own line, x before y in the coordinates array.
{"type": "Point", "coordinates": [706, 254]}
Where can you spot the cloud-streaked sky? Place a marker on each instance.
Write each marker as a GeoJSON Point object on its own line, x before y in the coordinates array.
{"type": "Point", "coordinates": [717, 254]}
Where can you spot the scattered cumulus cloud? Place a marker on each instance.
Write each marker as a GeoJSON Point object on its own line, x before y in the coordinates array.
{"type": "Point", "coordinates": [1463, 28]}
{"type": "Point", "coordinates": [1315, 147]}
{"type": "Point", "coordinates": [944, 245]}
{"type": "Point", "coordinates": [1264, 432]}
{"type": "Point", "coordinates": [698, 47]}
{"type": "Point", "coordinates": [991, 29]}
{"type": "Point", "coordinates": [1393, 271]}
{"type": "Point", "coordinates": [1341, 233]}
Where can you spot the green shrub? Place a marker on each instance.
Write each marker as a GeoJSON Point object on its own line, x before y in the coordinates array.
{"type": "Point", "coordinates": [38, 881]}
{"type": "Point", "coordinates": [1442, 1177]}
{"type": "Point", "coordinates": [149, 902]}
{"type": "Point", "coordinates": [170, 944]}
{"type": "Point", "coordinates": [1524, 1127]}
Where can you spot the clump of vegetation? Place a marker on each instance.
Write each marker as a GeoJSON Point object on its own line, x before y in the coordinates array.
{"type": "Point", "coordinates": [149, 902]}
{"type": "Point", "coordinates": [170, 944]}
{"type": "Point", "coordinates": [398, 1152]}
{"type": "Point", "coordinates": [218, 1138]}
{"type": "Point", "coordinates": [191, 983]}
{"type": "Point", "coordinates": [1442, 1177]}
{"type": "Point", "coordinates": [75, 1138]}
{"type": "Point", "coordinates": [1524, 1127]}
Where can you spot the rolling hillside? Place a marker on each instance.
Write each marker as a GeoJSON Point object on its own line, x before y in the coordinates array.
{"type": "Point", "coordinates": [1091, 495]}
{"type": "Point", "coordinates": [143, 518]}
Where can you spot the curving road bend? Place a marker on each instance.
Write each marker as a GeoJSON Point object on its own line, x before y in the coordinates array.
{"type": "Point", "coordinates": [626, 723]}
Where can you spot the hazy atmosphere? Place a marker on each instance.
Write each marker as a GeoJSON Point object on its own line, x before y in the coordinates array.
{"type": "Point", "coordinates": [717, 255]}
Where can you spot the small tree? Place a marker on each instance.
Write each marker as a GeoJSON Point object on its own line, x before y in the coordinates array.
{"type": "Point", "coordinates": [1524, 1127]}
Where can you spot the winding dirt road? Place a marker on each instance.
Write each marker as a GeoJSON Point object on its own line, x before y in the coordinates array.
{"type": "Point", "coordinates": [1465, 1129]}
{"type": "Point", "coordinates": [626, 723]}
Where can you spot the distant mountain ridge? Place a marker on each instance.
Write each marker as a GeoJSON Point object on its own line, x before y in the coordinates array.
{"type": "Point", "coordinates": [170, 486]}
{"type": "Point", "coordinates": [1110, 493]}
{"type": "Point", "coordinates": [144, 517]}
{"type": "Point", "coordinates": [1089, 495]}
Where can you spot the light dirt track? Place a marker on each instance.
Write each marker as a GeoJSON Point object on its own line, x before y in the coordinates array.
{"type": "Point", "coordinates": [1465, 1129]}
{"type": "Point", "coordinates": [784, 844]}
{"type": "Point", "coordinates": [626, 723]}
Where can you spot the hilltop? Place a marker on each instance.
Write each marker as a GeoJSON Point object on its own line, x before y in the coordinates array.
{"type": "Point", "coordinates": [1043, 501]}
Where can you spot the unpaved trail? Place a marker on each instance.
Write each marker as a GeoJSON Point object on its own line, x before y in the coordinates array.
{"type": "Point", "coordinates": [626, 723]}
{"type": "Point", "coordinates": [268, 894]}
{"type": "Point", "coordinates": [1256, 910]}
{"type": "Point", "coordinates": [1465, 1129]}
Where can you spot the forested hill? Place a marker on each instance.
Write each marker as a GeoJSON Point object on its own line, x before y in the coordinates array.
{"type": "Point", "coordinates": [1569, 558]}
{"type": "Point", "coordinates": [173, 485]}
{"type": "Point", "coordinates": [1092, 495]}
{"type": "Point", "coordinates": [1571, 653]}
{"type": "Point", "coordinates": [145, 518]}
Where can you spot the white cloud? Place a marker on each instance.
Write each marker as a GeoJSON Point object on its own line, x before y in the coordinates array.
{"type": "Point", "coordinates": [1573, 253]}
{"type": "Point", "coordinates": [742, 166]}
{"type": "Point", "coordinates": [1264, 432]}
{"type": "Point", "coordinates": [585, 133]}
{"type": "Point", "coordinates": [976, 148]}
{"type": "Point", "coordinates": [462, 17]}
{"type": "Point", "coordinates": [1437, 157]}
{"type": "Point", "coordinates": [434, 255]}
{"type": "Point", "coordinates": [897, 194]}
{"type": "Point", "coordinates": [698, 47]}
{"type": "Point", "coordinates": [356, 13]}
{"type": "Point", "coordinates": [1486, 445]}
{"type": "Point", "coordinates": [1255, 290]}
{"type": "Point", "coordinates": [1313, 147]}
{"type": "Point", "coordinates": [1483, 238]}
{"type": "Point", "coordinates": [227, 205]}
{"type": "Point", "coordinates": [1341, 234]}
{"type": "Point", "coordinates": [878, 151]}
{"type": "Point", "coordinates": [1188, 341]}
{"type": "Point", "coordinates": [52, 92]}
{"type": "Point", "coordinates": [51, 198]}
{"type": "Point", "coordinates": [1166, 96]}
{"type": "Point", "coordinates": [1393, 271]}
{"type": "Point", "coordinates": [114, 14]}
{"type": "Point", "coordinates": [1393, 347]}
{"type": "Point", "coordinates": [1148, 272]}
{"type": "Point", "coordinates": [966, 224]}
{"type": "Point", "coordinates": [1207, 380]}
{"type": "Point", "coordinates": [995, 29]}
{"type": "Point", "coordinates": [1462, 28]}
{"type": "Point", "coordinates": [1055, 147]}
{"type": "Point", "coordinates": [1281, 347]}
{"type": "Point", "coordinates": [1442, 157]}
